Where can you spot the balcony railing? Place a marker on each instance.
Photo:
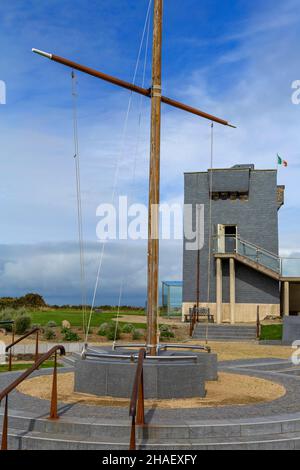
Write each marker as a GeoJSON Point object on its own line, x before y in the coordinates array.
{"type": "Point", "coordinates": [290, 267]}
{"type": "Point", "coordinates": [286, 267]}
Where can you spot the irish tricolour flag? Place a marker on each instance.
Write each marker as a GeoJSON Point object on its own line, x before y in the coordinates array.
{"type": "Point", "coordinates": [280, 161]}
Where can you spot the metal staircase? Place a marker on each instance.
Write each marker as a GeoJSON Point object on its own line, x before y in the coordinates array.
{"type": "Point", "coordinates": [257, 258]}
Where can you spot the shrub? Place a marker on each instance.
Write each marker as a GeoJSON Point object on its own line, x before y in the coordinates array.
{"type": "Point", "coordinates": [22, 324]}
{"type": "Point", "coordinates": [127, 328]}
{"type": "Point", "coordinates": [51, 324]}
{"type": "Point", "coordinates": [114, 332]}
{"type": "Point", "coordinates": [7, 314]}
{"type": "Point", "coordinates": [49, 334]}
{"type": "Point", "coordinates": [166, 332]}
{"type": "Point", "coordinates": [103, 330]}
{"type": "Point", "coordinates": [70, 335]}
{"type": "Point", "coordinates": [136, 334]}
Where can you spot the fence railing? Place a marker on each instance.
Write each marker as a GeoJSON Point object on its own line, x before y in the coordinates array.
{"type": "Point", "coordinates": [53, 404]}
{"type": "Point", "coordinates": [137, 406]}
{"type": "Point", "coordinates": [234, 244]}
{"type": "Point", "coordinates": [9, 348]}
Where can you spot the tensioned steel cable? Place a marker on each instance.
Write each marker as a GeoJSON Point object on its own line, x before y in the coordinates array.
{"type": "Point", "coordinates": [210, 220]}
{"type": "Point", "coordinates": [79, 200]}
{"type": "Point", "coordinates": [117, 169]}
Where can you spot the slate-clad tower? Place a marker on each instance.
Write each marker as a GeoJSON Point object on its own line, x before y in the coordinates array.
{"type": "Point", "coordinates": [245, 265]}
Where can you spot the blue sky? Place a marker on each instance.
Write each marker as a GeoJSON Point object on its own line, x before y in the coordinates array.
{"type": "Point", "coordinates": [236, 59]}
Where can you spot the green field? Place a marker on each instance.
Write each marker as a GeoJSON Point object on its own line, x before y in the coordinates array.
{"type": "Point", "coordinates": [24, 366]}
{"type": "Point", "coordinates": [271, 332]}
{"type": "Point", "coordinates": [74, 316]}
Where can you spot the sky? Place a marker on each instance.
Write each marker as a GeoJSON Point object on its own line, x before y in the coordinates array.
{"type": "Point", "coordinates": [235, 59]}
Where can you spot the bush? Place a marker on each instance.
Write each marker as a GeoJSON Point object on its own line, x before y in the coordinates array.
{"type": "Point", "coordinates": [127, 328]}
{"type": "Point", "coordinates": [49, 334]}
{"type": "Point", "coordinates": [103, 330]}
{"type": "Point", "coordinates": [51, 324]}
{"type": "Point", "coordinates": [136, 334]}
{"type": "Point", "coordinates": [7, 314]}
{"type": "Point", "coordinates": [114, 332]}
{"type": "Point", "coordinates": [70, 335]}
{"type": "Point", "coordinates": [166, 332]}
{"type": "Point", "coordinates": [22, 324]}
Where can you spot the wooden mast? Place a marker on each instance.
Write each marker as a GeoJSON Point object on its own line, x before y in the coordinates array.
{"type": "Point", "coordinates": [154, 179]}
{"type": "Point", "coordinates": [154, 183]}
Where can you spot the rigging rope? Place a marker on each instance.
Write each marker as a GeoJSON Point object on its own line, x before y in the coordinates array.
{"type": "Point", "coordinates": [117, 173]}
{"type": "Point", "coordinates": [209, 221]}
{"type": "Point", "coordinates": [135, 154]}
{"type": "Point", "coordinates": [79, 200]}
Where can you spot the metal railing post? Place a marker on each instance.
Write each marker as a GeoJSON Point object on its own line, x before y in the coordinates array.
{"type": "Point", "coordinates": [5, 426]}
{"type": "Point", "coordinates": [53, 407]}
{"type": "Point", "coordinates": [37, 346]}
{"type": "Point", "coordinates": [257, 323]}
{"type": "Point", "coordinates": [4, 393]}
{"type": "Point", "coordinates": [132, 445]}
{"type": "Point", "coordinates": [140, 417]}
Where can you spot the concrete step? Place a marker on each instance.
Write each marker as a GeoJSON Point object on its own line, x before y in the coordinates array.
{"type": "Point", "coordinates": [41, 441]}
{"type": "Point", "coordinates": [92, 430]}
{"type": "Point", "coordinates": [225, 332]}
{"type": "Point", "coordinates": [241, 338]}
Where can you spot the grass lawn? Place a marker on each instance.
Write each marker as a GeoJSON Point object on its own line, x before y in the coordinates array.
{"type": "Point", "coordinates": [24, 366]}
{"type": "Point", "coordinates": [42, 317]}
{"type": "Point", "coordinates": [271, 332]}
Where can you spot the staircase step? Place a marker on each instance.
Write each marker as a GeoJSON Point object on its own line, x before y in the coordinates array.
{"type": "Point", "coordinates": [91, 430]}
{"type": "Point", "coordinates": [42, 441]}
{"type": "Point", "coordinates": [225, 332]}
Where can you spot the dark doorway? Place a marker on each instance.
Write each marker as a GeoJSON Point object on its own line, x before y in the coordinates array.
{"type": "Point", "coordinates": [230, 238]}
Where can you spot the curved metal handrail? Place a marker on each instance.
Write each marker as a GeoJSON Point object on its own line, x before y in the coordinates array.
{"type": "Point", "coordinates": [14, 342]}
{"type": "Point", "coordinates": [21, 378]}
{"type": "Point", "coordinates": [136, 408]}
{"type": "Point", "coordinates": [31, 332]}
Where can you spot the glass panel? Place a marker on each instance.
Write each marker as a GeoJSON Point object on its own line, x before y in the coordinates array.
{"type": "Point", "coordinates": [258, 255]}
{"type": "Point", "coordinates": [269, 261]}
{"type": "Point", "coordinates": [230, 244]}
{"type": "Point", "coordinates": [290, 267]}
{"type": "Point", "coordinates": [246, 250]}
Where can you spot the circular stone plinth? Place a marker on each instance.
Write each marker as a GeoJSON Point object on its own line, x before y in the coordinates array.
{"type": "Point", "coordinates": [170, 377]}
{"type": "Point", "coordinates": [114, 377]}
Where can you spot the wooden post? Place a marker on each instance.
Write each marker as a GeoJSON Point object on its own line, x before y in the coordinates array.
{"type": "Point", "coordinates": [232, 290]}
{"type": "Point", "coordinates": [219, 299]}
{"type": "Point", "coordinates": [154, 183]}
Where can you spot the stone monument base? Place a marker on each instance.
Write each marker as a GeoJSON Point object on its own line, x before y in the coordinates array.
{"type": "Point", "coordinates": [164, 379]}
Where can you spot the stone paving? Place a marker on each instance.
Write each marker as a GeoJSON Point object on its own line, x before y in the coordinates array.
{"type": "Point", "coordinates": [277, 370]}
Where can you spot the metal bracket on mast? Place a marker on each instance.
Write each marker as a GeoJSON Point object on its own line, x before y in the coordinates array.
{"type": "Point", "coordinates": [156, 91]}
